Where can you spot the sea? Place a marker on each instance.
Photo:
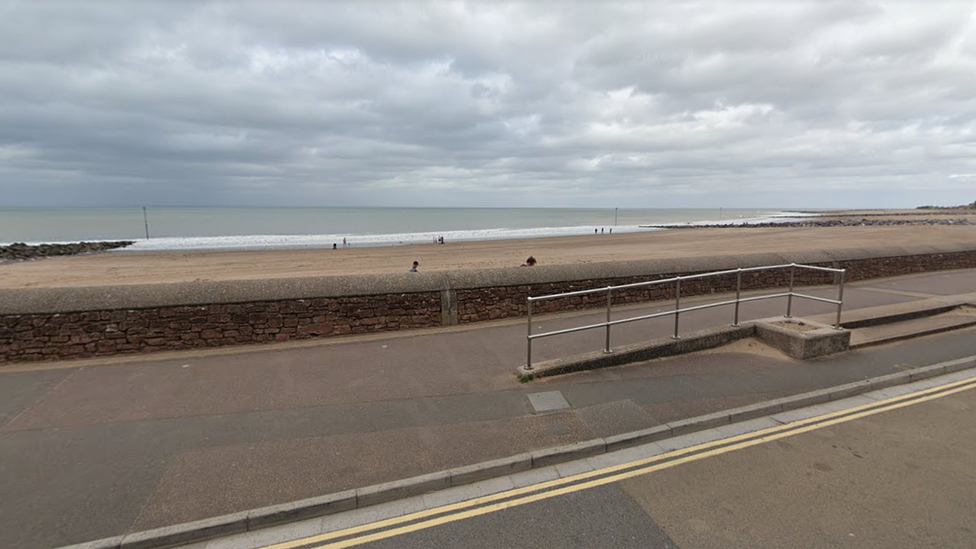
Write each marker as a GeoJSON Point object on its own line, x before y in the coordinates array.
{"type": "Point", "coordinates": [157, 229]}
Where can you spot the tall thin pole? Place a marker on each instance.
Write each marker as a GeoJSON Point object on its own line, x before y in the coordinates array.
{"type": "Point", "coordinates": [677, 306]}
{"type": "Point", "coordinates": [145, 218]}
{"type": "Point", "coordinates": [528, 338]}
{"type": "Point", "coordinates": [615, 217]}
{"type": "Point", "coordinates": [606, 350]}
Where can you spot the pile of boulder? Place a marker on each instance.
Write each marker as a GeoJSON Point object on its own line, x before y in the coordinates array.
{"type": "Point", "coordinates": [19, 251]}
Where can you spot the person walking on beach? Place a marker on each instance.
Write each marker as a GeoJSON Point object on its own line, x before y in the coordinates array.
{"type": "Point", "coordinates": [530, 262]}
{"type": "Point", "coordinates": [413, 269]}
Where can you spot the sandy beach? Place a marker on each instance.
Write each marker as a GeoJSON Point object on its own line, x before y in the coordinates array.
{"type": "Point", "coordinates": [126, 267]}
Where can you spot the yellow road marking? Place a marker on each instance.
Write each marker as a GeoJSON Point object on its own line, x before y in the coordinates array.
{"type": "Point", "coordinates": [757, 437]}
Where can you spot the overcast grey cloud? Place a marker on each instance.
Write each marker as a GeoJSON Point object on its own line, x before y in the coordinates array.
{"type": "Point", "coordinates": [647, 104]}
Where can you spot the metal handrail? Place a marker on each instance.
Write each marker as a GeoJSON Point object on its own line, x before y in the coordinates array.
{"type": "Point", "coordinates": [677, 302]}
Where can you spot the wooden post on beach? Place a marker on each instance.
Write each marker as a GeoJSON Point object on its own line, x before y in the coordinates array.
{"type": "Point", "coordinates": [615, 217]}
{"type": "Point", "coordinates": [145, 218]}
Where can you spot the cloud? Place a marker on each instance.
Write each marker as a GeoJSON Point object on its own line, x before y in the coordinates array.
{"type": "Point", "coordinates": [483, 103]}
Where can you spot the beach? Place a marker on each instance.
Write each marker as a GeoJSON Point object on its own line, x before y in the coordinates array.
{"type": "Point", "coordinates": [129, 267]}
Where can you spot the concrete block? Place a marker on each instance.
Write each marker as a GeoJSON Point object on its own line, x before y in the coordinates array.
{"type": "Point", "coordinates": [889, 380]}
{"type": "Point", "coordinates": [699, 423]}
{"type": "Point", "coordinates": [753, 411]}
{"type": "Point", "coordinates": [490, 469]}
{"type": "Point", "coordinates": [107, 543]}
{"type": "Point", "coordinates": [302, 509]}
{"type": "Point", "coordinates": [637, 438]}
{"type": "Point", "coordinates": [805, 399]}
{"type": "Point", "coordinates": [926, 372]}
{"type": "Point", "coordinates": [570, 452]}
{"type": "Point", "coordinates": [181, 534]}
{"type": "Point", "coordinates": [815, 340]}
{"type": "Point", "coordinates": [850, 389]}
{"type": "Point", "coordinates": [638, 352]}
{"type": "Point", "coordinates": [746, 427]}
{"type": "Point", "coordinates": [960, 364]}
{"type": "Point", "coordinates": [397, 489]}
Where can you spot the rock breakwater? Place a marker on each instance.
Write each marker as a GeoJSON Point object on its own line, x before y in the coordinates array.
{"type": "Point", "coordinates": [822, 223]}
{"type": "Point", "coordinates": [19, 251]}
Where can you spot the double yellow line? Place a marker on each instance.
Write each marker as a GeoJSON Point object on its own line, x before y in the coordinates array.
{"type": "Point", "coordinates": [513, 498]}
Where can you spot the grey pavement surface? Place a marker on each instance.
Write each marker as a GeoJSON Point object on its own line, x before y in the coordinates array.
{"type": "Point", "coordinates": [899, 477]}
{"type": "Point", "coordinates": [94, 450]}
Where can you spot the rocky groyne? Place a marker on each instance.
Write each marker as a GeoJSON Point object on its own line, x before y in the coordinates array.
{"type": "Point", "coordinates": [19, 251]}
{"type": "Point", "coordinates": [861, 222]}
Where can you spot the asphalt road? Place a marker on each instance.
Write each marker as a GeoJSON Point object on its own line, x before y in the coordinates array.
{"type": "Point", "coordinates": [901, 478]}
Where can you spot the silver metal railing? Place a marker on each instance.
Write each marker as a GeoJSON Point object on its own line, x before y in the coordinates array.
{"type": "Point", "coordinates": [677, 302]}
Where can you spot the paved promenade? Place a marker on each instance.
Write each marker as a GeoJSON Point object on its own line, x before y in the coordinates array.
{"type": "Point", "coordinates": [97, 448]}
{"type": "Point", "coordinates": [887, 468]}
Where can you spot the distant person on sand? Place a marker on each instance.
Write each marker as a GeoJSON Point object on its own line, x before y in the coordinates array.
{"type": "Point", "coordinates": [334, 247]}
{"type": "Point", "coordinates": [530, 262]}
{"type": "Point", "coordinates": [343, 242]}
{"type": "Point", "coordinates": [413, 269]}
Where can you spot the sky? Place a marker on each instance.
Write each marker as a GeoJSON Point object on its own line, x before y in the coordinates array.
{"type": "Point", "coordinates": [792, 104]}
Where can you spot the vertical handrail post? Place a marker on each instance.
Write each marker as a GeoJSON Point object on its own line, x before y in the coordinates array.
{"type": "Point", "coordinates": [677, 306]}
{"type": "Point", "coordinates": [840, 297]}
{"type": "Point", "coordinates": [609, 301]}
{"type": "Point", "coordinates": [738, 293]}
{"type": "Point", "coordinates": [789, 299]}
{"type": "Point", "coordinates": [528, 337]}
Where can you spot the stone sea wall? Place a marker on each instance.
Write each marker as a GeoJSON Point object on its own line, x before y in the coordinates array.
{"type": "Point", "coordinates": [54, 323]}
